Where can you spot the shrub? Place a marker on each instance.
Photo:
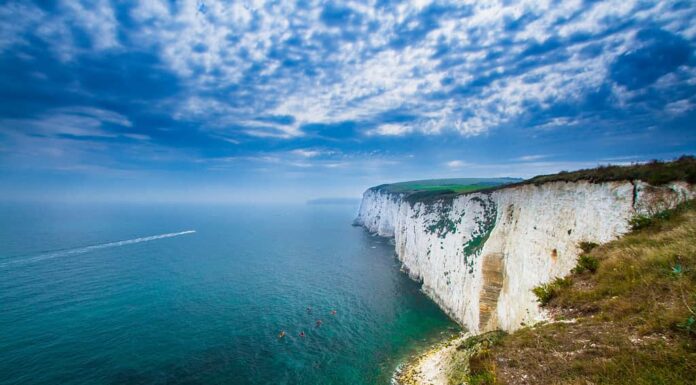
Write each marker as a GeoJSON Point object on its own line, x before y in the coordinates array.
{"type": "Point", "coordinates": [548, 291]}
{"type": "Point", "coordinates": [476, 351]}
{"type": "Point", "coordinates": [486, 377]}
{"type": "Point", "coordinates": [586, 247]}
{"type": "Point", "coordinates": [586, 263]}
{"type": "Point", "coordinates": [665, 215]}
{"type": "Point", "coordinates": [640, 221]}
{"type": "Point", "coordinates": [544, 294]}
{"type": "Point", "coordinates": [689, 326]}
{"type": "Point", "coordinates": [677, 270]}
{"type": "Point", "coordinates": [485, 340]}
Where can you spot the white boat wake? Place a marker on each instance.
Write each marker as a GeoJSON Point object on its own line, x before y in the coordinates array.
{"type": "Point", "coordinates": [87, 249]}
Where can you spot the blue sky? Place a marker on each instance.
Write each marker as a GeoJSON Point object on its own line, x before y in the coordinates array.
{"type": "Point", "coordinates": [251, 100]}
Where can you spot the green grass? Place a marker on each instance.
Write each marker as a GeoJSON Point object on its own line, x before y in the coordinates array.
{"type": "Point", "coordinates": [458, 188]}
{"type": "Point", "coordinates": [548, 291]}
{"type": "Point", "coordinates": [453, 184]}
{"type": "Point", "coordinates": [586, 247]}
{"type": "Point", "coordinates": [632, 321]}
{"type": "Point", "coordinates": [441, 190]}
{"type": "Point", "coordinates": [586, 263]}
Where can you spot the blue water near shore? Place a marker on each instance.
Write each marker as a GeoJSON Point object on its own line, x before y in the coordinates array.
{"type": "Point", "coordinates": [183, 294]}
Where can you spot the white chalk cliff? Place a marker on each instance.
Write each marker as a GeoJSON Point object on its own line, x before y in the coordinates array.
{"type": "Point", "coordinates": [478, 255]}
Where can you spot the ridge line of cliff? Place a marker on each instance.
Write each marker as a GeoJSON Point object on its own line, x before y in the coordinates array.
{"type": "Point", "coordinates": [479, 258]}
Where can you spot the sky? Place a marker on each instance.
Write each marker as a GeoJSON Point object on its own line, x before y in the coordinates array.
{"type": "Point", "coordinates": [286, 101]}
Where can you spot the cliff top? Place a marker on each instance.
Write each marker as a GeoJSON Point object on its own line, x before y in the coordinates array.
{"type": "Point", "coordinates": [451, 184]}
{"type": "Point", "coordinates": [438, 188]}
{"type": "Point", "coordinates": [654, 172]}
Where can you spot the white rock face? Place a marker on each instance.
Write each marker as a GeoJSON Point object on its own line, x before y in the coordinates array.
{"type": "Point", "coordinates": [480, 254]}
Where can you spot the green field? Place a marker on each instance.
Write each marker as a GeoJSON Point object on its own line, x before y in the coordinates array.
{"type": "Point", "coordinates": [437, 189]}
{"type": "Point", "coordinates": [456, 185]}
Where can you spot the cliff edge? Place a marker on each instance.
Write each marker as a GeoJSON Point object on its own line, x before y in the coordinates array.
{"type": "Point", "coordinates": [480, 253]}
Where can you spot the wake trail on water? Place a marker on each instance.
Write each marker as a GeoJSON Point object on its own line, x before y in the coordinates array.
{"type": "Point", "coordinates": [87, 249]}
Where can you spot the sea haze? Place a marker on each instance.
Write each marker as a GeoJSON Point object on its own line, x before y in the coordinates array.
{"type": "Point", "coordinates": [184, 294]}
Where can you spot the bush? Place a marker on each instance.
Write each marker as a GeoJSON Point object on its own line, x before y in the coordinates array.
{"type": "Point", "coordinates": [586, 247]}
{"type": "Point", "coordinates": [689, 326]}
{"type": "Point", "coordinates": [480, 370]}
{"type": "Point", "coordinates": [483, 378]}
{"type": "Point", "coordinates": [548, 291]}
{"type": "Point", "coordinates": [640, 221]}
{"type": "Point", "coordinates": [665, 215]}
{"type": "Point", "coordinates": [586, 263]}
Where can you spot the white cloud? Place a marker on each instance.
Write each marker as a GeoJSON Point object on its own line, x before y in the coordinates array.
{"type": "Point", "coordinates": [277, 131]}
{"type": "Point", "coordinates": [214, 47]}
{"type": "Point", "coordinates": [307, 153]}
{"type": "Point", "coordinates": [337, 164]}
{"type": "Point", "coordinates": [390, 130]}
{"type": "Point", "coordinates": [15, 19]}
{"type": "Point", "coordinates": [97, 113]}
{"type": "Point", "coordinates": [530, 158]}
{"type": "Point", "coordinates": [78, 121]}
{"type": "Point", "coordinates": [392, 79]}
{"type": "Point", "coordinates": [456, 164]}
{"type": "Point", "coordinates": [217, 117]}
{"type": "Point", "coordinates": [97, 19]}
{"type": "Point", "coordinates": [680, 107]}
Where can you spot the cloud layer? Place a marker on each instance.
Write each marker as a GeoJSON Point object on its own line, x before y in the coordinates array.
{"type": "Point", "coordinates": [335, 81]}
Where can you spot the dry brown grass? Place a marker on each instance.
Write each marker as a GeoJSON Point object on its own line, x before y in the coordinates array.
{"type": "Point", "coordinates": [654, 173]}
{"type": "Point", "coordinates": [627, 323]}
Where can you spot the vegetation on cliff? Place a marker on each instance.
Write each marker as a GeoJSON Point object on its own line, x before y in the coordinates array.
{"type": "Point", "coordinates": [626, 315]}
{"type": "Point", "coordinates": [438, 189]}
{"type": "Point", "coordinates": [654, 172]}
{"type": "Point", "coordinates": [451, 184]}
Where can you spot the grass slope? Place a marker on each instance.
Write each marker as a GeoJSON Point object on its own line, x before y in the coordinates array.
{"type": "Point", "coordinates": [626, 315]}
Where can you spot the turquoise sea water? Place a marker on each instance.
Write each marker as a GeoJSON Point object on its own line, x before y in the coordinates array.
{"type": "Point", "coordinates": [183, 294]}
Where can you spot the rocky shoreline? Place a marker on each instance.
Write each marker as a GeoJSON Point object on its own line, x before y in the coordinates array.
{"type": "Point", "coordinates": [431, 367]}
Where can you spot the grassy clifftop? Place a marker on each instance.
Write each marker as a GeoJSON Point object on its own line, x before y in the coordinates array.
{"type": "Point", "coordinates": [655, 173]}
{"type": "Point", "coordinates": [437, 189]}
{"type": "Point", "coordinates": [453, 185]}
{"type": "Point", "coordinates": [626, 315]}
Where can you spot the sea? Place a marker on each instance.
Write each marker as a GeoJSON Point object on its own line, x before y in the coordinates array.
{"type": "Point", "coordinates": [200, 293]}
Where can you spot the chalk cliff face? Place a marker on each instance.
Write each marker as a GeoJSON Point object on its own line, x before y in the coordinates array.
{"type": "Point", "coordinates": [479, 255]}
